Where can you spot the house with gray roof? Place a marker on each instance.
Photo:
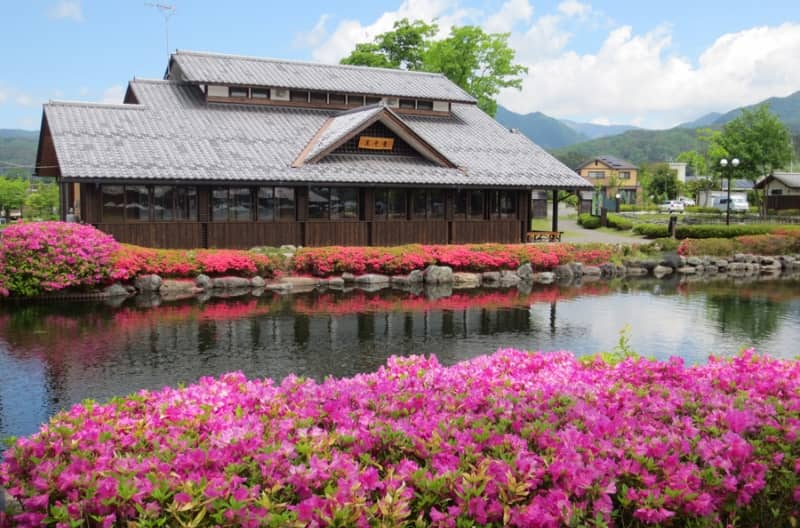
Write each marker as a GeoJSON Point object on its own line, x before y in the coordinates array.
{"type": "Point", "coordinates": [781, 190]}
{"type": "Point", "coordinates": [613, 176]}
{"type": "Point", "coordinates": [231, 151]}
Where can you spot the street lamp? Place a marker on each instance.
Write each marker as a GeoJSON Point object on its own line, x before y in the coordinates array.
{"type": "Point", "coordinates": [724, 164]}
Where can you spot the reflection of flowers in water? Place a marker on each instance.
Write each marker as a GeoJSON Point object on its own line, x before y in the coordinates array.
{"type": "Point", "coordinates": [85, 338]}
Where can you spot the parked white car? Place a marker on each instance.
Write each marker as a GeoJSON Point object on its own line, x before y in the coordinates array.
{"type": "Point", "coordinates": [738, 204]}
{"type": "Point", "coordinates": [672, 206]}
{"type": "Point", "coordinates": [686, 201]}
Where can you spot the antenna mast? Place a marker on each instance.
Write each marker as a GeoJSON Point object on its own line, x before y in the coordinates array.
{"type": "Point", "coordinates": [167, 11]}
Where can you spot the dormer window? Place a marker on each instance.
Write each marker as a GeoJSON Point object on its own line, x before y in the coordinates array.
{"type": "Point", "coordinates": [319, 97]}
{"type": "Point", "coordinates": [408, 104]}
{"type": "Point", "coordinates": [298, 96]}
{"type": "Point", "coordinates": [260, 93]}
{"type": "Point", "coordinates": [425, 105]}
{"type": "Point", "coordinates": [237, 91]}
{"type": "Point", "coordinates": [373, 100]}
{"type": "Point", "coordinates": [337, 99]}
{"type": "Point", "coordinates": [355, 100]}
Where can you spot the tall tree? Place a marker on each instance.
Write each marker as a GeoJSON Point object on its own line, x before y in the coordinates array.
{"type": "Point", "coordinates": [42, 204]}
{"type": "Point", "coordinates": [660, 181]}
{"type": "Point", "coordinates": [481, 63]}
{"type": "Point", "coordinates": [12, 194]}
{"type": "Point", "coordinates": [758, 138]}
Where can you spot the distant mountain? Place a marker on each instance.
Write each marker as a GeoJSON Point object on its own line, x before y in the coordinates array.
{"type": "Point", "coordinates": [786, 108]}
{"type": "Point", "coordinates": [545, 131]}
{"type": "Point", "coordinates": [17, 147]}
{"type": "Point", "coordinates": [594, 131]}
{"type": "Point", "coordinates": [702, 121]}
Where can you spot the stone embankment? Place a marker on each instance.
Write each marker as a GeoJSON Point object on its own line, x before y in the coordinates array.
{"type": "Point", "coordinates": [442, 280]}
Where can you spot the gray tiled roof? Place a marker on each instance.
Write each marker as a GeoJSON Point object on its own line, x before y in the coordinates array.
{"type": "Point", "coordinates": [174, 135]}
{"type": "Point", "coordinates": [611, 161]}
{"type": "Point", "coordinates": [216, 68]}
{"type": "Point", "coordinates": [339, 126]}
{"type": "Point", "coordinates": [789, 179]}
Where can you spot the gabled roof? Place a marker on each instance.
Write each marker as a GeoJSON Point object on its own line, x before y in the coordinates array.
{"type": "Point", "coordinates": [340, 128]}
{"type": "Point", "coordinates": [612, 162]}
{"type": "Point", "coordinates": [174, 135]}
{"type": "Point", "coordinates": [737, 184]}
{"type": "Point", "coordinates": [217, 68]}
{"type": "Point", "coordinates": [789, 179]}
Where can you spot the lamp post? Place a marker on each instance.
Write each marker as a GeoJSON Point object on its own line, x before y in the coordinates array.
{"type": "Point", "coordinates": [724, 164]}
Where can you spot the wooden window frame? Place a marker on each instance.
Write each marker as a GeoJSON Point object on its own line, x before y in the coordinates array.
{"type": "Point", "coordinates": [384, 217]}
{"type": "Point", "coordinates": [253, 212]}
{"type": "Point", "coordinates": [329, 217]}
{"type": "Point", "coordinates": [466, 216]}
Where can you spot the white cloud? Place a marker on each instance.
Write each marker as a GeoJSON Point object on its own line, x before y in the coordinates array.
{"type": "Point", "coordinates": [24, 100]}
{"type": "Point", "coordinates": [350, 32]}
{"type": "Point", "coordinates": [69, 9]}
{"type": "Point", "coordinates": [114, 94]}
{"type": "Point", "coordinates": [513, 12]}
{"type": "Point", "coordinates": [634, 75]}
{"type": "Point", "coordinates": [542, 40]}
{"type": "Point", "coordinates": [313, 38]}
{"type": "Point", "coordinates": [573, 8]}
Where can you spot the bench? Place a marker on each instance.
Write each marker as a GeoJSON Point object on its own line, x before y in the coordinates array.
{"type": "Point", "coordinates": [542, 236]}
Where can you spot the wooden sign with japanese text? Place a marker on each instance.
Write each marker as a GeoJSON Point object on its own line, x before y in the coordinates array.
{"type": "Point", "coordinates": [375, 143]}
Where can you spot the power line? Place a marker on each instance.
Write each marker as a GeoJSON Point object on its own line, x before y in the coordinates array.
{"type": "Point", "coordinates": [166, 10]}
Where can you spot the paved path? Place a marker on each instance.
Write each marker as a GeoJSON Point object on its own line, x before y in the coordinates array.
{"type": "Point", "coordinates": [576, 234]}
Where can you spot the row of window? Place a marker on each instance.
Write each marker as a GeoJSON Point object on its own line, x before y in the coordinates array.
{"type": "Point", "coordinates": [326, 98]}
{"type": "Point", "coordinates": [141, 203]}
{"type": "Point", "coordinates": [599, 175]}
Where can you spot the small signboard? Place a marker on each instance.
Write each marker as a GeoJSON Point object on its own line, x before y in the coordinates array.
{"type": "Point", "coordinates": [375, 143]}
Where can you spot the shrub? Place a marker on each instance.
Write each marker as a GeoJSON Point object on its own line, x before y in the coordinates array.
{"type": "Point", "coordinates": [630, 208]}
{"type": "Point", "coordinates": [515, 439]}
{"type": "Point", "coordinates": [41, 257]}
{"type": "Point", "coordinates": [769, 244]}
{"type": "Point", "coordinates": [720, 230]}
{"type": "Point", "coordinates": [787, 212]}
{"type": "Point", "coordinates": [651, 230]}
{"type": "Point", "coordinates": [619, 222]}
{"type": "Point", "coordinates": [717, 247]}
{"type": "Point", "coordinates": [588, 221]}
{"type": "Point", "coordinates": [701, 209]}
{"type": "Point", "coordinates": [660, 245]}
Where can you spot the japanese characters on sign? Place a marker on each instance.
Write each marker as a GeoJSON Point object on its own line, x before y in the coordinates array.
{"type": "Point", "coordinates": [375, 143]}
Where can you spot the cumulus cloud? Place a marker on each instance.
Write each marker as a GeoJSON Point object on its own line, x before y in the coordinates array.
{"type": "Point", "coordinates": [350, 32]}
{"type": "Point", "coordinates": [633, 75]}
{"type": "Point", "coordinates": [573, 8]}
{"type": "Point", "coordinates": [314, 37]}
{"type": "Point", "coordinates": [114, 94]}
{"type": "Point", "coordinates": [512, 13]}
{"type": "Point", "coordinates": [68, 9]}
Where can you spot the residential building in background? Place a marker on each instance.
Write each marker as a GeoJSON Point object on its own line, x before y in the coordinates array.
{"type": "Point", "coordinates": [613, 175]}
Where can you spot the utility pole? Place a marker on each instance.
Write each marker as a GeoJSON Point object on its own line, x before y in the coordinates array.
{"type": "Point", "coordinates": [167, 11]}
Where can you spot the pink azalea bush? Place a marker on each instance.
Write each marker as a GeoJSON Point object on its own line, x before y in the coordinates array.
{"type": "Point", "coordinates": [39, 257]}
{"type": "Point", "coordinates": [332, 260]}
{"type": "Point", "coordinates": [512, 439]}
{"type": "Point", "coordinates": [129, 261]}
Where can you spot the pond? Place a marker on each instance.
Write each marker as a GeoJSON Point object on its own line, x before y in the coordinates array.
{"type": "Point", "coordinates": [55, 355]}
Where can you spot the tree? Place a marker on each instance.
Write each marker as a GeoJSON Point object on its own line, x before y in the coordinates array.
{"type": "Point", "coordinates": [760, 141]}
{"type": "Point", "coordinates": [42, 204]}
{"type": "Point", "coordinates": [660, 182]}
{"type": "Point", "coordinates": [696, 164]}
{"type": "Point", "coordinates": [12, 194]}
{"type": "Point", "coordinates": [481, 63]}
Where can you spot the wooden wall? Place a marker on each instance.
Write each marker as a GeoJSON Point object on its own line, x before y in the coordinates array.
{"type": "Point", "coordinates": [303, 232]}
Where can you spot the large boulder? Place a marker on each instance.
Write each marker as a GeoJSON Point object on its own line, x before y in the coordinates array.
{"type": "Point", "coordinates": [301, 284]}
{"type": "Point", "coordinates": [564, 272]}
{"type": "Point", "coordinates": [257, 282]}
{"type": "Point", "coordinates": [592, 271]}
{"type": "Point", "coordinates": [115, 290]}
{"type": "Point", "coordinates": [179, 287]}
{"type": "Point", "coordinates": [372, 278]}
{"type": "Point", "coordinates": [545, 277]}
{"type": "Point", "coordinates": [662, 271]}
{"type": "Point", "coordinates": [636, 271]}
{"type": "Point", "coordinates": [671, 260]}
{"type": "Point", "coordinates": [147, 283]}
{"type": "Point", "coordinates": [466, 280]}
{"type": "Point", "coordinates": [438, 275]}
{"type": "Point", "coordinates": [525, 272]}
{"type": "Point", "coordinates": [509, 278]}
{"type": "Point", "coordinates": [490, 278]}
{"type": "Point", "coordinates": [230, 283]}
{"type": "Point", "coordinates": [203, 281]}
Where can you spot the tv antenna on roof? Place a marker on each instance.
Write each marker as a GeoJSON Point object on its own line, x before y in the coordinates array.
{"type": "Point", "coordinates": [167, 11]}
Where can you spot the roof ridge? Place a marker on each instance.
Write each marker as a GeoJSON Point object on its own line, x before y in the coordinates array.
{"type": "Point", "coordinates": [308, 63]}
{"type": "Point", "coordinates": [90, 104]}
{"type": "Point", "coordinates": [146, 80]}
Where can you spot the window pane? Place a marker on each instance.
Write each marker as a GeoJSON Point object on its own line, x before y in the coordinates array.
{"type": "Point", "coordinates": [461, 202]}
{"type": "Point", "coordinates": [397, 204]}
{"type": "Point", "coordinates": [318, 202]}
{"type": "Point", "coordinates": [219, 205]}
{"type": "Point", "coordinates": [137, 203]}
{"type": "Point", "coordinates": [437, 204]}
{"type": "Point", "coordinates": [298, 96]}
{"type": "Point", "coordinates": [336, 99]}
{"type": "Point", "coordinates": [266, 203]}
{"type": "Point", "coordinates": [241, 208]}
{"type": "Point", "coordinates": [355, 100]}
{"type": "Point", "coordinates": [113, 203]}
{"type": "Point", "coordinates": [286, 203]}
{"type": "Point", "coordinates": [476, 204]}
{"type": "Point", "coordinates": [381, 207]}
{"type": "Point", "coordinates": [163, 206]}
{"type": "Point", "coordinates": [236, 91]}
{"type": "Point", "coordinates": [507, 205]}
{"type": "Point", "coordinates": [408, 103]}
{"type": "Point", "coordinates": [419, 203]}
{"type": "Point", "coordinates": [373, 100]}
{"type": "Point", "coordinates": [186, 203]}
{"type": "Point", "coordinates": [260, 93]}
{"type": "Point", "coordinates": [344, 203]}
{"type": "Point", "coordinates": [319, 97]}
{"type": "Point", "coordinates": [424, 105]}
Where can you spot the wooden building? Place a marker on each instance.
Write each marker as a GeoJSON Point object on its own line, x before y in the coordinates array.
{"type": "Point", "coordinates": [235, 152]}
{"type": "Point", "coordinates": [781, 191]}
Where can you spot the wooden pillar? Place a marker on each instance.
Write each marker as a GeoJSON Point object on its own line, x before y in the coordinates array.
{"type": "Point", "coordinates": [555, 210]}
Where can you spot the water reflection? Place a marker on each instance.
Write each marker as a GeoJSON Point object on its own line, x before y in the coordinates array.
{"type": "Point", "coordinates": [54, 355]}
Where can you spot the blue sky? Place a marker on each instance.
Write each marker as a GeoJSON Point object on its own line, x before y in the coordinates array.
{"type": "Point", "coordinates": [654, 64]}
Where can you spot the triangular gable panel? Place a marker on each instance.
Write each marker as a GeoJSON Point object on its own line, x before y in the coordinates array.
{"type": "Point", "coordinates": [341, 132]}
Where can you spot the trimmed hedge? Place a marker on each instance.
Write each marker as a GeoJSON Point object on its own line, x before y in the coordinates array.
{"type": "Point", "coordinates": [619, 223]}
{"type": "Point", "coordinates": [588, 221]}
{"type": "Point", "coordinates": [651, 230]}
{"type": "Point", "coordinates": [701, 209]}
{"type": "Point", "coordinates": [631, 208]}
{"type": "Point", "coordinates": [703, 230]}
